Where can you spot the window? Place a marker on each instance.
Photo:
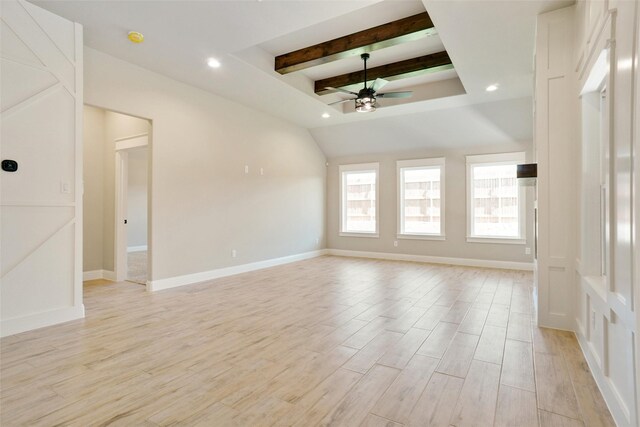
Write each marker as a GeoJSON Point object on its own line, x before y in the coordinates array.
{"type": "Point", "coordinates": [595, 180]}
{"type": "Point", "coordinates": [359, 200]}
{"type": "Point", "coordinates": [495, 206]}
{"type": "Point", "coordinates": [421, 199]}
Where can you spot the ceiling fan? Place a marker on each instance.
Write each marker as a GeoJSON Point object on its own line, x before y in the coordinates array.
{"type": "Point", "coordinates": [365, 99]}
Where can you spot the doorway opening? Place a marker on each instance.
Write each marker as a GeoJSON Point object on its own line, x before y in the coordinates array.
{"type": "Point", "coordinates": [116, 160]}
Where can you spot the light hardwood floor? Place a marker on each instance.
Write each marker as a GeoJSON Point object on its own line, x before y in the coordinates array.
{"type": "Point", "coordinates": [328, 341]}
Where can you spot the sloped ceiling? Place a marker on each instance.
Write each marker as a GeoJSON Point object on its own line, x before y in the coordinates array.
{"type": "Point", "coordinates": [488, 41]}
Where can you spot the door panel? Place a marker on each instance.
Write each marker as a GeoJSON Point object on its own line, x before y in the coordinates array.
{"type": "Point", "coordinates": [40, 203]}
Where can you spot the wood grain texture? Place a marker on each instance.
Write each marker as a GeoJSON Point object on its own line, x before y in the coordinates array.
{"type": "Point", "coordinates": [516, 408]}
{"type": "Point", "coordinates": [555, 390]}
{"type": "Point", "coordinates": [491, 345]}
{"type": "Point", "coordinates": [303, 344]}
{"type": "Point", "coordinates": [457, 359]}
{"type": "Point", "coordinates": [365, 40]}
{"type": "Point", "coordinates": [476, 404]}
{"type": "Point", "coordinates": [434, 408]}
{"type": "Point", "coordinates": [517, 366]}
{"type": "Point", "coordinates": [398, 401]}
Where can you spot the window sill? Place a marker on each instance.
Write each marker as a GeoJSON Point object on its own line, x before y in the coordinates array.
{"type": "Point", "coordinates": [498, 240]}
{"type": "Point", "coordinates": [421, 236]}
{"type": "Point", "coordinates": [356, 234]}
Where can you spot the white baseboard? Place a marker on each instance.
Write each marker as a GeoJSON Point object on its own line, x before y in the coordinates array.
{"type": "Point", "coordinates": [137, 248]}
{"type": "Point", "coordinates": [98, 274]}
{"type": "Point", "coordinates": [619, 411]}
{"type": "Point", "coordinates": [190, 279]}
{"type": "Point", "coordinates": [506, 265]}
{"type": "Point", "coordinates": [40, 320]}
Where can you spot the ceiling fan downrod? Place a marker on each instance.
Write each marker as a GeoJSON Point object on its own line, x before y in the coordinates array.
{"type": "Point", "coordinates": [364, 57]}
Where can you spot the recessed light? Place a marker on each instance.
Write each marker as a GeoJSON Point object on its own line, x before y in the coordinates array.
{"type": "Point", "coordinates": [326, 115]}
{"type": "Point", "coordinates": [492, 88]}
{"type": "Point", "coordinates": [213, 63]}
{"type": "Point", "coordinates": [135, 37]}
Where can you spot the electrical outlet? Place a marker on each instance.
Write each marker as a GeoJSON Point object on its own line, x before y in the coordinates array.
{"type": "Point", "coordinates": [395, 243]}
{"type": "Point", "coordinates": [261, 171]}
{"type": "Point", "coordinates": [246, 169]}
{"type": "Point", "coordinates": [527, 251]}
{"type": "Point", "coordinates": [65, 187]}
{"type": "Point", "coordinates": [317, 240]}
{"type": "Point", "coordinates": [233, 253]}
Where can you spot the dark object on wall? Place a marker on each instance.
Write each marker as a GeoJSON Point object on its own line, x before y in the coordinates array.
{"type": "Point", "coordinates": [9, 165]}
{"type": "Point", "coordinates": [529, 170]}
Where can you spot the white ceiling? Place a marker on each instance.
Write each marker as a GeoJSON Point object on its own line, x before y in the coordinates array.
{"type": "Point", "coordinates": [491, 123]}
{"type": "Point", "coordinates": [488, 41]}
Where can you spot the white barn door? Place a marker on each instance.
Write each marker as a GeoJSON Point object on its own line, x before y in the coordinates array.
{"type": "Point", "coordinates": [41, 202]}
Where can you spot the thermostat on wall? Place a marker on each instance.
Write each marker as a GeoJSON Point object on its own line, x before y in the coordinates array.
{"type": "Point", "coordinates": [9, 165]}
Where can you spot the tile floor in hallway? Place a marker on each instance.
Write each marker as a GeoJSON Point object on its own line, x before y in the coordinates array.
{"type": "Point", "coordinates": [327, 341]}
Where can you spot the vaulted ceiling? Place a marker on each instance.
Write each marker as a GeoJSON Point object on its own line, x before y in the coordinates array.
{"type": "Point", "coordinates": [488, 42]}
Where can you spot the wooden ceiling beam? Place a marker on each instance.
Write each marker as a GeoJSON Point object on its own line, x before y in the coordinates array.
{"type": "Point", "coordinates": [393, 33]}
{"type": "Point", "coordinates": [397, 70]}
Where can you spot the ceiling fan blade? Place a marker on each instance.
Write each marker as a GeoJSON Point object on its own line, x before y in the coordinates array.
{"type": "Point", "coordinates": [378, 84]}
{"type": "Point", "coordinates": [394, 94]}
{"type": "Point", "coordinates": [340, 102]}
{"type": "Point", "coordinates": [337, 89]}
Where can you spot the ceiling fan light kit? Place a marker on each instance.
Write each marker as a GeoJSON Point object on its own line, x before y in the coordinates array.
{"type": "Point", "coordinates": [365, 99]}
{"type": "Point", "coordinates": [365, 105]}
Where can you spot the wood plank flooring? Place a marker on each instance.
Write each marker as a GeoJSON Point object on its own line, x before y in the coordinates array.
{"type": "Point", "coordinates": [327, 341]}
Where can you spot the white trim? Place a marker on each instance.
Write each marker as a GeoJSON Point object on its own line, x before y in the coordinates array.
{"type": "Point", "coordinates": [485, 263]}
{"type": "Point", "coordinates": [498, 240]}
{"type": "Point", "coordinates": [91, 275]}
{"type": "Point", "coordinates": [611, 398]}
{"type": "Point", "coordinates": [138, 141]}
{"type": "Point", "coordinates": [140, 248]}
{"type": "Point", "coordinates": [421, 236]}
{"type": "Point", "coordinates": [120, 242]}
{"type": "Point", "coordinates": [499, 158]}
{"type": "Point", "coordinates": [356, 234]}
{"type": "Point", "coordinates": [98, 274]}
{"type": "Point", "coordinates": [360, 167]}
{"type": "Point", "coordinates": [17, 325]}
{"type": "Point", "coordinates": [495, 160]}
{"type": "Point", "coordinates": [431, 163]}
{"type": "Point", "coordinates": [204, 276]}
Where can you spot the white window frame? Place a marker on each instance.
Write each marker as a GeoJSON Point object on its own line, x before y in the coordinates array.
{"type": "Point", "coordinates": [432, 163]}
{"type": "Point", "coordinates": [496, 160]}
{"type": "Point", "coordinates": [360, 167]}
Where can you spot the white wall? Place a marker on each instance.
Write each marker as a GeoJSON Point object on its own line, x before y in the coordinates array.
{"type": "Point", "coordinates": [555, 152]}
{"type": "Point", "coordinates": [203, 204]}
{"type": "Point", "coordinates": [606, 316]}
{"type": "Point", "coordinates": [137, 198]}
{"type": "Point", "coordinates": [602, 312]}
{"type": "Point", "coordinates": [41, 213]}
{"type": "Point", "coordinates": [455, 245]}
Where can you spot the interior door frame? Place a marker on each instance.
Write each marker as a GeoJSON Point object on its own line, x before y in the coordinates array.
{"type": "Point", "coordinates": [122, 148]}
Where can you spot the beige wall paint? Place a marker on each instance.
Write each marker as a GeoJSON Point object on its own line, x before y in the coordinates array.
{"type": "Point", "coordinates": [455, 244]}
{"type": "Point", "coordinates": [137, 198]}
{"type": "Point", "coordinates": [93, 175]}
{"type": "Point", "coordinates": [101, 129]}
{"type": "Point", "coordinates": [117, 126]}
{"type": "Point", "coordinates": [203, 204]}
